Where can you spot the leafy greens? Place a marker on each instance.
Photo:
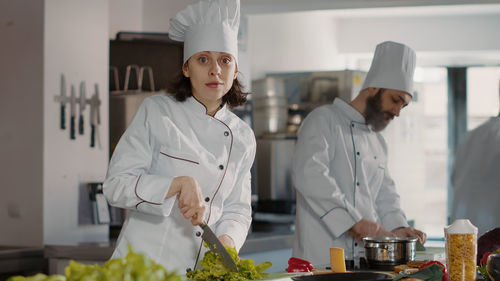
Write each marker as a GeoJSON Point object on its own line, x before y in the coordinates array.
{"type": "Point", "coordinates": [134, 267]}
{"type": "Point", "coordinates": [214, 270]}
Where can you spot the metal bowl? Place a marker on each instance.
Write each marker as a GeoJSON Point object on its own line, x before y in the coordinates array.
{"type": "Point", "coordinates": [385, 252]}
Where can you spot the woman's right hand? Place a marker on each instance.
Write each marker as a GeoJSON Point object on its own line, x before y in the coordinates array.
{"type": "Point", "coordinates": [190, 199]}
{"type": "Point", "coordinates": [366, 228]}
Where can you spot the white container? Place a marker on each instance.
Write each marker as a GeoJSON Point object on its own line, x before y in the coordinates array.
{"type": "Point", "coordinates": [461, 250]}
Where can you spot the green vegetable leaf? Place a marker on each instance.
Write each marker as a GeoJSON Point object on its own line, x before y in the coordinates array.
{"type": "Point", "coordinates": [134, 267]}
{"type": "Point", "coordinates": [214, 270]}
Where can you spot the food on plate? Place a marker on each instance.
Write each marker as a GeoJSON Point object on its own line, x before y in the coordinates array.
{"type": "Point", "coordinates": [134, 267]}
{"type": "Point", "coordinates": [416, 263]}
{"type": "Point", "coordinates": [214, 270]}
{"type": "Point", "coordinates": [443, 270]}
{"type": "Point", "coordinates": [299, 265]}
{"type": "Point", "coordinates": [405, 268]}
{"type": "Point", "coordinates": [429, 271]}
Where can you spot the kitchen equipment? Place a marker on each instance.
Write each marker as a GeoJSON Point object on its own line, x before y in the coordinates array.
{"type": "Point", "coordinates": [270, 106]}
{"type": "Point", "coordinates": [384, 253]}
{"type": "Point", "coordinates": [72, 107]}
{"type": "Point", "coordinates": [461, 250]}
{"type": "Point", "coordinates": [82, 102]}
{"type": "Point", "coordinates": [493, 267]}
{"type": "Point", "coordinates": [348, 276]}
{"type": "Point", "coordinates": [274, 168]}
{"type": "Point", "coordinates": [62, 100]}
{"type": "Point", "coordinates": [215, 245]}
{"type": "Point", "coordinates": [95, 117]}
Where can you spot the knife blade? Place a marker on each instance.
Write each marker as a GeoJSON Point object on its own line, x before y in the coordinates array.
{"type": "Point", "coordinates": [215, 245]}
{"type": "Point", "coordinates": [72, 107]}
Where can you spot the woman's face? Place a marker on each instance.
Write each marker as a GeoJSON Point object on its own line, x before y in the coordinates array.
{"type": "Point", "coordinates": [211, 74]}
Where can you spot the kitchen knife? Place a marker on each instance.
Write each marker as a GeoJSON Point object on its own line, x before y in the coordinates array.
{"type": "Point", "coordinates": [215, 245]}
{"type": "Point", "coordinates": [63, 102]}
{"type": "Point", "coordinates": [82, 102]}
{"type": "Point", "coordinates": [72, 107]}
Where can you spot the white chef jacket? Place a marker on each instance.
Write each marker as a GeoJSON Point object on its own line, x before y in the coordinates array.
{"type": "Point", "coordinates": [476, 177]}
{"type": "Point", "coordinates": [340, 174]}
{"type": "Point", "coordinates": [166, 139]}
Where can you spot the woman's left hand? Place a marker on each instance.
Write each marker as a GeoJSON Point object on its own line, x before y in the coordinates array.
{"type": "Point", "coordinates": [410, 232]}
{"type": "Point", "coordinates": [226, 240]}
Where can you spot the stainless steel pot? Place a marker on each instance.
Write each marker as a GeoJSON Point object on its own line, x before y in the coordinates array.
{"type": "Point", "coordinates": [386, 252]}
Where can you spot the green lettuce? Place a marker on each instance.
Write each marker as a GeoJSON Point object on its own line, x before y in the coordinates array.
{"type": "Point", "coordinates": [214, 270]}
{"type": "Point", "coordinates": [134, 267]}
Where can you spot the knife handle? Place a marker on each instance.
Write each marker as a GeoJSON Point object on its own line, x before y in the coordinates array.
{"type": "Point", "coordinates": [92, 135]}
{"type": "Point", "coordinates": [63, 117]}
{"type": "Point", "coordinates": [80, 125]}
{"type": "Point", "coordinates": [72, 128]}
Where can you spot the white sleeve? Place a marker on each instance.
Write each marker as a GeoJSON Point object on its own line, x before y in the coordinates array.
{"type": "Point", "coordinates": [128, 183]}
{"type": "Point", "coordinates": [237, 212]}
{"type": "Point", "coordinates": [312, 177]}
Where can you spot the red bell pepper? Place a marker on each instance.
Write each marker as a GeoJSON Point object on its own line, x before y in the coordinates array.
{"type": "Point", "coordinates": [445, 273]}
{"type": "Point", "coordinates": [484, 258]}
{"type": "Point", "coordinates": [299, 265]}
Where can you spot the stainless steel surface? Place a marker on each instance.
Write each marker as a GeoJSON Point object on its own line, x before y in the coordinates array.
{"type": "Point", "coordinates": [215, 245]}
{"type": "Point", "coordinates": [270, 106]}
{"type": "Point", "coordinates": [389, 251]}
{"type": "Point", "coordinates": [268, 87]}
{"type": "Point", "coordinates": [274, 160]}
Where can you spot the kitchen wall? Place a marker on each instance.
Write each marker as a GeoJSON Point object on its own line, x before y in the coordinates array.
{"type": "Point", "coordinates": [338, 39]}
{"type": "Point", "coordinates": [293, 42]}
{"type": "Point", "coordinates": [21, 122]}
{"type": "Point", "coordinates": [41, 168]}
{"type": "Point", "coordinates": [143, 16]}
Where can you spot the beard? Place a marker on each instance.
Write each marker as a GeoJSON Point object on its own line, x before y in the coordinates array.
{"type": "Point", "coordinates": [375, 117]}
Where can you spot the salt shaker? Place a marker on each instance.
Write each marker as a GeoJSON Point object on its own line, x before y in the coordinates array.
{"type": "Point", "coordinates": [461, 250]}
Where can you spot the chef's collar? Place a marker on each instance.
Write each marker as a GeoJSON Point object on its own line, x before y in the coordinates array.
{"type": "Point", "coordinates": [352, 114]}
{"type": "Point", "coordinates": [199, 109]}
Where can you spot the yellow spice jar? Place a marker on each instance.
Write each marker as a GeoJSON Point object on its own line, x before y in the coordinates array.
{"type": "Point", "coordinates": [461, 250]}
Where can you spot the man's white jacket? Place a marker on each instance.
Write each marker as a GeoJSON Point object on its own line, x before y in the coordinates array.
{"type": "Point", "coordinates": [340, 174]}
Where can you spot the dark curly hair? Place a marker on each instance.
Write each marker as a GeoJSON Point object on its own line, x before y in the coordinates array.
{"type": "Point", "coordinates": [180, 88]}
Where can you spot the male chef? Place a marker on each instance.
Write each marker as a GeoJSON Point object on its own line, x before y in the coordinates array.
{"type": "Point", "coordinates": [344, 190]}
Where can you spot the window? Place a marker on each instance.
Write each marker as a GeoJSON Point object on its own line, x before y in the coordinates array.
{"type": "Point", "coordinates": [482, 95]}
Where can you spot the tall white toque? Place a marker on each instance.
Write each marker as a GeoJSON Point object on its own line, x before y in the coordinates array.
{"type": "Point", "coordinates": [393, 66]}
{"type": "Point", "coordinates": [208, 25]}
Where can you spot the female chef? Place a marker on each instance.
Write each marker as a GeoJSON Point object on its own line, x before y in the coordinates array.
{"type": "Point", "coordinates": [186, 158]}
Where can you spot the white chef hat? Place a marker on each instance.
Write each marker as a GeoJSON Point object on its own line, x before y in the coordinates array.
{"type": "Point", "coordinates": [208, 25]}
{"type": "Point", "coordinates": [393, 66]}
